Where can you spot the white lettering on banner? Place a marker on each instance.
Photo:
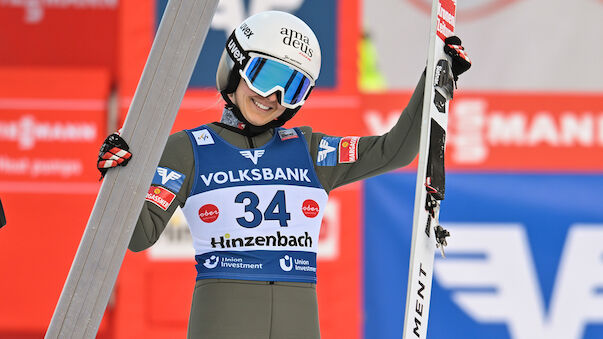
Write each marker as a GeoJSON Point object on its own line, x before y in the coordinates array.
{"type": "Point", "coordinates": [378, 125]}
{"type": "Point", "coordinates": [230, 13]}
{"type": "Point", "coordinates": [473, 129]}
{"type": "Point", "coordinates": [256, 174]}
{"type": "Point", "coordinates": [569, 130]}
{"type": "Point", "coordinates": [34, 10]}
{"type": "Point", "coordinates": [34, 168]}
{"type": "Point", "coordinates": [467, 135]}
{"type": "Point", "coordinates": [516, 299]}
{"type": "Point", "coordinates": [61, 167]}
{"type": "Point", "coordinates": [12, 166]}
{"type": "Point", "coordinates": [27, 131]}
{"type": "Point", "coordinates": [257, 6]}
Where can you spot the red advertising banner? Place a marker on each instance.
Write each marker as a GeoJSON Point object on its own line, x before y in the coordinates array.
{"type": "Point", "coordinates": [510, 131]}
{"type": "Point", "coordinates": [58, 33]}
{"type": "Point", "coordinates": [527, 132]}
{"type": "Point", "coordinates": [52, 122]}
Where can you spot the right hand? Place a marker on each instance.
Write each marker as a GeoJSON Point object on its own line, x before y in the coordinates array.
{"type": "Point", "coordinates": [460, 59]}
{"type": "Point", "coordinates": [114, 152]}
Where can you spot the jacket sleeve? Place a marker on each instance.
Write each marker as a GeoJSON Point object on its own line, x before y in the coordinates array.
{"type": "Point", "coordinates": [377, 154]}
{"type": "Point", "coordinates": [177, 156]}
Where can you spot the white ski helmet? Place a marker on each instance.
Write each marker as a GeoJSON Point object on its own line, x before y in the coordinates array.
{"type": "Point", "coordinates": [275, 35]}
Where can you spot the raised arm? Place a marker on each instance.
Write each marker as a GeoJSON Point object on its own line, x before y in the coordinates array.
{"type": "Point", "coordinates": [375, 154]}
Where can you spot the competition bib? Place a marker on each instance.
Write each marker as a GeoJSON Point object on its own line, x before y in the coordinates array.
{"type": "Point", "coordinates": [255, 214]}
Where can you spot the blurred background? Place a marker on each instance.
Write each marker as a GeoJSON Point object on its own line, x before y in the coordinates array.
{"type": "Point", "coordinates": [524, 161]}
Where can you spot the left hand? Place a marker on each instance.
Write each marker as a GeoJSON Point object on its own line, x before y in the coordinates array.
{"type": "Point", "coordinates": [114, 152]}
{"type": "Point", "coordinates": [460, 59]}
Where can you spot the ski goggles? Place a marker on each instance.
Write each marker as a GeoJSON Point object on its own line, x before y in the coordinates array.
{"type": "Point", "coordinates": [265, 75]}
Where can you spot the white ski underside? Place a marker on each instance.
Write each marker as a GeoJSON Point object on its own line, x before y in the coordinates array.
{"type": "Point", "coordinates": [420, 275]}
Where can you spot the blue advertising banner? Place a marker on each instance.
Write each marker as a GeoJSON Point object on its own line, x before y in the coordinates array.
{"type": "Point", "coordinates": [525, 259]}
{"type": "Point", "coordinates": [320, 15]}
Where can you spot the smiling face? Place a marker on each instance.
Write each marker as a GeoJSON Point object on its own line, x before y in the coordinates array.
{"type": "Point", "coordinates": [258, 110]}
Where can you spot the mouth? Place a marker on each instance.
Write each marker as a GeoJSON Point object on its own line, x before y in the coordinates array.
{"type": "Point", "coordinates": [261, 106]}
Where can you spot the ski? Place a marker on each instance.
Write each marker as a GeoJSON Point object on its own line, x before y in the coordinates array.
{"type": "Point", "coordinates": [427, 234]}
{"type": "Point", "coordinates": [164, 80]}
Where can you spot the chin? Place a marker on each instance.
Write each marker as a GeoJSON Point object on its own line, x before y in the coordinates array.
{"type": "Point", "coordinates": [258, 121]}
{"type": "Point", "coordinates": [255, 122]}
{"type": "Point", "coordinates": [258, 124]}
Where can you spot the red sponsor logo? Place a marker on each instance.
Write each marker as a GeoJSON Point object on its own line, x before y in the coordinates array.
{"type": "Point", "coordinates": [209, 213]}
{"type": "Point", "coordinates": [348, 149]}
{"type": "Point", "coordinates": [160, 196]}
{"type": "Point", "coordinates": [310, 208]}
{"type": "Point", "coordinates": [446, 18]}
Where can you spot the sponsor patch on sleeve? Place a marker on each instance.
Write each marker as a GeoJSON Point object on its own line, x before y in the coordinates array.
{"type": "Point", "coordinates": [203, 137]}
{"type": "Point", "coordinates": [160, 196]}
{"type": "Point", "coordinates": [168, 178]}
{"type": "Point", "coordinates": [348, 149]}
{"type": "Point", "coordinates": [327, 151]}
{"type": "Point", "coordinates": [287, 134]}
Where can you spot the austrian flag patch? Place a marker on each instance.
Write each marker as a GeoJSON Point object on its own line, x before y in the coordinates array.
{"type": "Point", "coordinates": [348, 149]}
{"type": "Point", "coordinates": [160, 196]}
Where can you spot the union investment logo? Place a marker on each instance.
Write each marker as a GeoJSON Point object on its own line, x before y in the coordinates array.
{"type": "Point", "coordinates": [211, 262]}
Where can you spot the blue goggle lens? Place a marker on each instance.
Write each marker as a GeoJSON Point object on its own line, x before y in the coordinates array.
{"type": "Point", "coordinates": [267, 74]}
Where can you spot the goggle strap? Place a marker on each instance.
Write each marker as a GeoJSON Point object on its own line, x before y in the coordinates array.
{"type": "Point", "coordinates": [236, 52]}
{"type": "Point", "coordinates": [309, 91]}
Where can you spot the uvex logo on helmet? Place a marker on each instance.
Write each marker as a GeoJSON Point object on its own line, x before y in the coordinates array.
{"type": "Point", "coordinates": [246, 30]}
{"type": "Point", "coordinates": [297, 40]}
{"type": "Point", "coordinates": [235, 51]}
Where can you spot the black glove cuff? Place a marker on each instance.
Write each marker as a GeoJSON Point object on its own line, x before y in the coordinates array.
{"type": "Point", "coordinates": [113, 140]}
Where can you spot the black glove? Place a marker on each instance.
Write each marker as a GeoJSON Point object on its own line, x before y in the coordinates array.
{"type": "Point", "coordinates": [460, 59]}
{"type": "Point", "coordinates": [113, 153]}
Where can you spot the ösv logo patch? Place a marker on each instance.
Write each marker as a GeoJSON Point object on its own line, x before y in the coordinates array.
{"type": "Point", "coordinates": [327, 151]}
{"type": "Point", "coordinates": [168, 178]}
